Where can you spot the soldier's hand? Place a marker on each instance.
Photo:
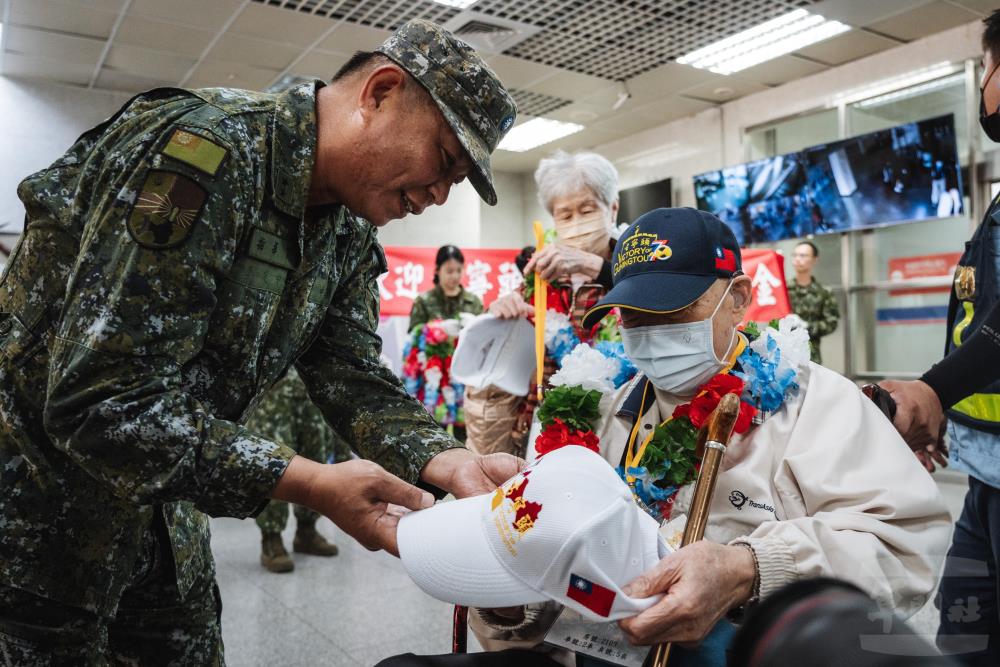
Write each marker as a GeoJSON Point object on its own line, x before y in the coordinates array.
{"type": "Point", "coordinates": [556, 260]}
{"type": "Point", "coordinates": [356, 495]}
{"type": "Point", "coordinates": [511, 307]}
{"type": "Point", "coordinates": [919, 415]}
{"type": "Point", "coordinates": [464, 473]}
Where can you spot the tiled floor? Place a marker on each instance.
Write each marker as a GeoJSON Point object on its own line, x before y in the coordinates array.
{"type": "Point", "coordinates": [351, 610]}
{"type": "Point", "coordinates": [354, 609]}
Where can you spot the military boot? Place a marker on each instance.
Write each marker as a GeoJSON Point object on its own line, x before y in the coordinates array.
{"type": "Point", "coordinates": [309, 541]}
{"type": "Point", "coordinates": [273, 555]}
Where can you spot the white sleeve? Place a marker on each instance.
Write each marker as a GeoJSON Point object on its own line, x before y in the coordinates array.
{"type": "Point", "coordinates": [872, 515]}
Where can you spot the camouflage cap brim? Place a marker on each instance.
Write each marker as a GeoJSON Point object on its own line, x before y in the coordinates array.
{"type": "Point", "coordinates": [481, 175]}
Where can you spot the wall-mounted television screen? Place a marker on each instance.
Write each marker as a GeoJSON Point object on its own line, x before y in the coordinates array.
{"type": "Point", "coordinates": [903, 174]}
{"type": "Point", "coordinates": [633, 202]}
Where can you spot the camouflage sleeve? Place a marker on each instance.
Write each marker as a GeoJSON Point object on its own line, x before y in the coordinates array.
{"type": "Point", "coordinates": [418, 314]}
{"type": "Point", "coordinates": [363, 401]}
{"type": "Point", "coordinates": [137, 310]}
{"type": "Point", "coordinates": [828, 315]}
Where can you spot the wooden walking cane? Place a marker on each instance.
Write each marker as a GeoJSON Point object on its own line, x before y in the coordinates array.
{"type": "Point", "coordinates": [712, 440]}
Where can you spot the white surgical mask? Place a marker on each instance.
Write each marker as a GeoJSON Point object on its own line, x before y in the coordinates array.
{"type": "Point", "coordinates": [590, 233]}
{"type": "Point", "coordinates": [677, 358]}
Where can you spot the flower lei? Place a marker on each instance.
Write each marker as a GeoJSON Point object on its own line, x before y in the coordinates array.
{"type": "Point", "coordinates": [763, 376]}
{"type": "Point", "coordinates": [427, 370]}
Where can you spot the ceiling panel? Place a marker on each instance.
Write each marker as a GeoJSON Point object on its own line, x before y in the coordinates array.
{"type": "Point", "coordinates": [668, 79]}
{"type": "Point", "coordinates": [619, 40]}
{"type": "Point", "coordinates": [847, 47]}
{"type": "Point", "coordinates": [254, 52]}
{"type": "Point", "coordinates": [53, 45]}
{"type": "Point", "coordinates": [725, 90]}
{"type": "Point", "coordinates": [349, 38]}
{"type": "Point", "coordinates": [782, 70]}
{"type": "Point", "coordinates": [983, 7]}
{"type": "Point", "coordinates": [233, 75]}
{"type": "Point", "coordinates": [162, 36]}
{"type": "Point", "coordinates": [518, 73]}
{"type": "Point", "coordinates": [569, 85]}
{"type": "Point", "coordinates": [672, 108]}
{"type": "Point", "coordinates": [62, 16]}
{"type": "Point", "coordinates": [100, 5]}
{"type": "Point", "coordinates": [32, 67]}
{"type": "Point", "coordinates": [321, 64]}
{"type": "Point", "coordinates": [113, 79]}
{"type": "Point", "coordinates": [273, 23]}
{"type": "Point", "coordinates": [148, 63]}
{"type": "Point", "coordinates": [926, 20]}
{"type": "Point", "coordinates": [205, 15]}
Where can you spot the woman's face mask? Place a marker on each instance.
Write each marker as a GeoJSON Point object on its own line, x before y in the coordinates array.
{"type": "Point", "coordinates": [677, 358]}
{"type": "Point", "coordinates": [584, 225]}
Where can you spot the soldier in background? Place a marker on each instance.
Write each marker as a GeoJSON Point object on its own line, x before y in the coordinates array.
{"type": "Point", "coordinates": [811, 301]}
{"type": "Point", "coordinates": [288, 416]}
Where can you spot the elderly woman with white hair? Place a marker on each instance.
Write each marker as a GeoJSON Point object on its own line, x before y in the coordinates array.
{"type": "Point", "coordinates": [580, 192]}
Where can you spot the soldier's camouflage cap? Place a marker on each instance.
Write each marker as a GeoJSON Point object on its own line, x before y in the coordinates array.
{"type": "Point", "coordinates": [471, 97]}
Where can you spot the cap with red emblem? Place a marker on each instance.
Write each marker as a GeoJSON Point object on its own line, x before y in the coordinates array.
{"type": "Point", "coordinates": [565, 529]}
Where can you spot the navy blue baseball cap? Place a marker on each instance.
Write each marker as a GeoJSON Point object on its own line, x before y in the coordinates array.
{"type": "Point", "coordinates": [667, 259]}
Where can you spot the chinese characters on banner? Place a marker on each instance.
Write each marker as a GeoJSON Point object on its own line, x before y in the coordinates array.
{"type": "Point", "coordinates": [491, 273]}
{"type": "Point", "coordinates": [766, 269]}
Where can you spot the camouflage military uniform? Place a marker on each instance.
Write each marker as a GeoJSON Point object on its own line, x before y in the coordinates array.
{"type": "Point", "coordinates": [435, 304]}
{"type": "Point", "coordinates": [818, 307]}
{"type": "Point", "coordinates": [287, 415]}
{"type": "Point", "coordinates": [168, 275]}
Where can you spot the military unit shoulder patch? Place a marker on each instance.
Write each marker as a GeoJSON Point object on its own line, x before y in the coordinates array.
{"type": "Point", "coordinates": [165, 210]}
{"type": "Point", "coordinates": [195, 150]}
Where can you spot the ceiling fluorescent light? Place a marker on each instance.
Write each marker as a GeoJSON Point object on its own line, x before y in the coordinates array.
{"type": "Point", "coordinates": [912, 91]}
{"type": "Point", "coordinates": [785, 34]}
{"type": "Point", "coordinates": [894, 84]}
{"type": "Point", "coordinates": [536, 132]}
{"type": "Point", "coordinates": [457, 4]}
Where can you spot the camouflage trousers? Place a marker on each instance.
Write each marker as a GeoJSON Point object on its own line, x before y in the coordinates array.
{"type": "Point", "coordinates": [153, 625]}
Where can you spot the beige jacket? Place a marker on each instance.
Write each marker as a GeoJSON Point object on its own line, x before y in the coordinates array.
{"type": "Point", "coordinates": [825, 486]}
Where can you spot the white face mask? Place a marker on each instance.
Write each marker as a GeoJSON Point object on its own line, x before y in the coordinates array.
{"type": "Point", "coordinates": [590, 233]}
{"type": "Point", "coordinates": [677, 358]}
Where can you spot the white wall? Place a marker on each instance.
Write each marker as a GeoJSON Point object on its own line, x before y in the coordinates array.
{"type": "Point", "coordinates": [40, 121]}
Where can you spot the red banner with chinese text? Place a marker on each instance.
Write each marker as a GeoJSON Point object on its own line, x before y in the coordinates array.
{"type": "Point", "coordinates": [766, 269]}
{"type": "Point", "coordinates": [491, 272]}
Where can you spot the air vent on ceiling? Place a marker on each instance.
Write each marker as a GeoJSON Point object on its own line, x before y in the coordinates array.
{"type": "Point", "coordinates": [536, 104]}
{"type": "Point", "coordinates": [489, 34]}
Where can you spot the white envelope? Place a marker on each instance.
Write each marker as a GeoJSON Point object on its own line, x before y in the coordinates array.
{"type": "Point", "coordinates": [496, 352]}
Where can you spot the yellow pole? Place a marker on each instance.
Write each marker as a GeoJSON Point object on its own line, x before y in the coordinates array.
{"type": "Point", "coordinates": [540, 309]}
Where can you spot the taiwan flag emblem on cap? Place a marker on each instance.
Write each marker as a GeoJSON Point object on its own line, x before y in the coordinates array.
{"type": "Point", "coordinates": [725, 259]}
{"type": "Point", "coordinates": [594, 597]}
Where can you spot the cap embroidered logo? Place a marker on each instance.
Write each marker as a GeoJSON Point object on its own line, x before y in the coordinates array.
{"type": "Point", "coordinates": [660, 250]}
